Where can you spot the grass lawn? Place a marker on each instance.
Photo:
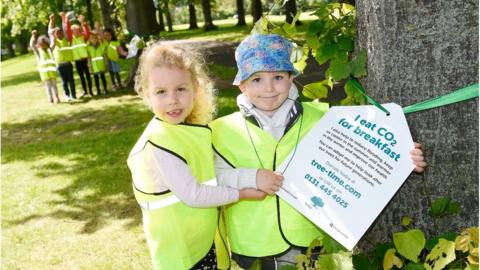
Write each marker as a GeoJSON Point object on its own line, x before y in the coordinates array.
{"type": "Point", "coordinates": [67, 200]}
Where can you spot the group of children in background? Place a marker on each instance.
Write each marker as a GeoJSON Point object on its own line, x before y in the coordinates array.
{"type": "Point", "coordinates": [69, 43]}
{"type": "Point", "coordinates": [184, 166]}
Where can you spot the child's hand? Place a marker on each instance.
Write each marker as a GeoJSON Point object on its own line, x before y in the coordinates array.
{"type": "Point", "coordinates": [417, 157]}
{"type": "Point", "coordinates": [268, 181]}
{"type": "Point", "coordinates": [34, 32]}
{"type": "Point", "coordinates": [81, 18]}
{"type": "Point", "coordinates": [52, 17]}
{"type": "Point", "coordinates": [62, 14]}
{"type": "Point", "coordinates": [252, 194]}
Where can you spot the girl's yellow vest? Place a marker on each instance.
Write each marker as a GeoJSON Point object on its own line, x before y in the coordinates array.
{"type": "Point", "coordinates": [267, 227]}
{"type": "Point", "coordinates": [79, 48]}
{"type": "Point", "coordinates": [62, 51]}
{"type": "Point", "coordinates": [112, 53]}
{"type": "Point", "coordinates": [97, 57]}
{"type": "Point", "coordinates": [178, 236]}
{"type": "Point", "coordinates": [46, 65]}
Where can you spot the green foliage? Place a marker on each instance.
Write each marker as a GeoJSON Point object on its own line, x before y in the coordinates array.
{"type": "Point", "coordinates": [444, 206]}
{"type": "Point", "coordinates": [409, 244]}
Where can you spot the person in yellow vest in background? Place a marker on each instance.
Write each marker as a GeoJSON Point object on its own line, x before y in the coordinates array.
{"type": "Point", "coordinates": [114, 50]}
{"type": "Point", "coordinates": [172, 163]}
{"type": "Point", "coordinates": [46, 64]}
{"type": "Point", "coordinates": [268, 127]}
{"type": "Point", "coordinates": [62, 52]}
{"type": "Point", "coordinates": [79, 38]}
{"type": "Point", "coordinates": [96, 51]}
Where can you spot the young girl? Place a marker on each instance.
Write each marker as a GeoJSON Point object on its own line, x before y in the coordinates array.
{"type": "Point", "coordinates": [113, 51]}
{"type": "Point", "coordinates": [46, 64]}
{"type": "Point", "coordinates": [96, 51]}
{"type": "Point", "coordinates": [172, 162]}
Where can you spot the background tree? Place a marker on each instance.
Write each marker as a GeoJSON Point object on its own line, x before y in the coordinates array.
{"type": "Point", "coordinates": [106, 12]}
{"type": "Point", "coordinates": [256, 10]}
{"type": "Point", "coordinates": [166, 9]}
{"type": "Point", "coordinates": [141, 17]}
{"type": "Point", "coordinates": [161, 22]}
{"type": "Point", "coordinates": [240, 13]}
{"type": "Point", "coordinates": [291, 11]}
{"type": "Point", "coordinates": [419, 50]}
{"type": "Point", "coordinates": [192, 15]}
{"type": "Point", "coordinates": [89, 16]}
{"type": "Point", "coordinates": [207, 16]}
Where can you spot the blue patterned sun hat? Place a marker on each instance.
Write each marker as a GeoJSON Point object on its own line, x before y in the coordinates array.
{"type": "Point", "coordinates": [263, 53]}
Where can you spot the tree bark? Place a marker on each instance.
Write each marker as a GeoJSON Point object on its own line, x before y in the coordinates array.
{"type": "Point", "coordinates": [89, 13]}
{"type": "Point", "coordinates": [207, 15]}
{"type": "Point", "coordinates": [106, 11]}
{"type": "Point", "coordinates": [168, 16]}
{"type": "Point", "coordinates": [417, 50]}
{"type": "Point", "coordinates": [256, 10]}
{"type": "Point", "coordinates": [141, 17]}
{"type": "Point", "coordinates": [192, 15]}
{"type": "Point", "coordinates": [240, 13]}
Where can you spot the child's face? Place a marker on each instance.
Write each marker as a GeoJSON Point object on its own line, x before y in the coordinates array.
{"type": "Point", "coordinates": [267, 90]}
{"type": "Point", "coordinates": [170, 93]}
{"type": "Point", "coordinates": [76, 31]}
{"type": "Point", "coordinates": [93, 39]}
{"type": "Point", "coordinates": [59, 34]}
{"type": "Point", "coordinates": [107, 36]}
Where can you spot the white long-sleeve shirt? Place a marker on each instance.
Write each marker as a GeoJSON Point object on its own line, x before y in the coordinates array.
{"type": "Point", "coordinates": [166, 171]}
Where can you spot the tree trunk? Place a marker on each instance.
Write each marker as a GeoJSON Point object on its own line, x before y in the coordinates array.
{"type": "Point", "coordinates": [256, 10]}
{"type": "Point", "coordinates": [240, 13]}
{"type": "Point", "coordinates": [141, 17]}
{"type": "Point", "coordinates": [106, 11]}
{"type": "Point", "coordinates": [207, 15]}
{"type": "Point", "coordinates": [168, 16]}
{"type": "Point", "coordinates": [291, 11]}
{"type": "Point", "coordinates": [161, 23]}
{"type": "Point", "coordinates": [417, 50]}
{"type": "Point", "coordinates": [89, 13]}
{"type": "Point", "coordinates": [192, 15]}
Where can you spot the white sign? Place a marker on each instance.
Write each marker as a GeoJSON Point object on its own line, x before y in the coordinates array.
{"type": "Point", "coordinates": [132, 47]}
{"type": "Point", "coordinates": [347, 168]}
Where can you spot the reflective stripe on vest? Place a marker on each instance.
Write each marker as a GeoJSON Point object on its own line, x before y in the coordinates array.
{"type": "Point", "coordinates": [46, 65]}
{"type": "Point", "coordinates": [100, 58]}
{"type": "Point", "coordinates": [178, 235]}
{"type": "Point", "coordinates": [79, 48]}
{"type": "Point", "coordinates": [257, 221]}
{"type": "Point", "coordinates": [98, 61]}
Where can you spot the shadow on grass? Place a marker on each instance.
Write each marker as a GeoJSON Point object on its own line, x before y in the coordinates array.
{"type": "Point", "coordinates": [20, 78]}
{"type": "Point", "coordinates": [89, 148]}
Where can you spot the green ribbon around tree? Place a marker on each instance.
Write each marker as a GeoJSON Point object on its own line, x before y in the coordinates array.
{"type": "Point", "coordinates": [456, 96]}
{"type": "Point", "coordinates": [360, 89]}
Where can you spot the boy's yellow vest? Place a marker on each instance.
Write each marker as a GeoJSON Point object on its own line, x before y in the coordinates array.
{"type": "Point", "coordinates": [79, 48]}
{"type": "Point", "coordinates": [62, 51]}
{"type": "Point", "coordinates": [96, 55]}
{"type": "Point", "coordinates": [112, 53]}
{"type": "Point", "coordinates": [253, 226]}
{"type": "Point", "coordinates": [46, 65]}
{"type": "Point", "coordinates": [178, 236]}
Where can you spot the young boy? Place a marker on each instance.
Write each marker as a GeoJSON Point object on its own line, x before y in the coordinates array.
{"type": "Point", "coordinates": [261, 135]}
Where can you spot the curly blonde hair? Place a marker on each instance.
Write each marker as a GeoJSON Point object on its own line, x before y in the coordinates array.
{"type": "Point", "coordinates": [185, 58]}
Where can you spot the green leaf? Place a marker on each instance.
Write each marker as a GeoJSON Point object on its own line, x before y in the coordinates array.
{"type": "Point", "coordinates": [414, 266]}
{"type": "Point", "coordinates": [314, 28]}
{"type": "Point", "coordinates": [336, 261]}
{"type": "Point", "coordinates": [444, 206]}
{"type": "Point", "coordinates": [345, 43]}
{"type": "Point", "coordinates": [290, 29]}
{"type": "Point", "coordinates": [390, 259]}
{"type": "Point", "coordinates": [257, 265]}
{"type": "Point", "coordinates": [339, 70]}
{"type": "Point", "coordinates": [434, 241]}
{"type": "Point", "coordinates": [409, 244]}
{"type": "Point", "coordinates": [441, 255]}
{"type": "Point", "coordinates": [325, 52]}
{"type": "Point", "coordinates": [359, 64]}
{"type": "Point", "coordinates": [406, 220]}
{"type": "Point", "coordinates": [363, 262]}
{"type": "Point", "coordinates": [330, 245]}
{"type": "Point", "coordinates": [314, 91]}
{"type": "Point", "coordinates": [342, 56]}
{"type": "Point", "coordinates": [313, 42]}
{"type": "Point", "coordinates": [471, 267]}
{"type": "Point", "coordinates": [287, 267]}
{"type": "Point", "coordinates": [347, 8]}
{"type": "Point", "coordinates": [279, 31]}
{"type": "Point", "coordinates": [381, 249]}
